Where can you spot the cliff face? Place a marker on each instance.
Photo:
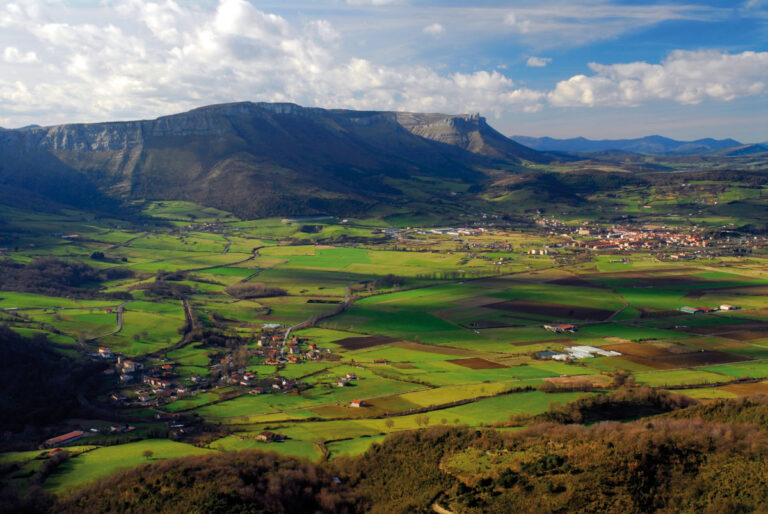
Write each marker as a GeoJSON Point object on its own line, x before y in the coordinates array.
{"type": "Point", "coordinates": [258, 158]}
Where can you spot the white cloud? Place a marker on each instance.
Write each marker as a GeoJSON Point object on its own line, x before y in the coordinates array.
{"type": "Point", "coordinates": [434, 30]}
{"type": "Point", "coordinates": [165, 57]}
{"type": "Point", "coordinates": [685, 77]}
{"type": "Point", "coordinates": [553, 23]}
{"type": "Point", "coordinates": [13, 55]}
{"type": "Point", "coordinates": [537, 62]}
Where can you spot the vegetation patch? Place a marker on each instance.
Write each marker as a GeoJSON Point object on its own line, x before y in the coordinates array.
{"type": "Point", "coordinates": [359, 343]}
{"type": "Point", "coordinates": [477, 363]}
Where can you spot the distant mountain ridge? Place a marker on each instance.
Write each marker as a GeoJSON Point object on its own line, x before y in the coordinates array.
{"type": "Point", "coordinates": [257, 159]}
{"type": "Point", "coordinates": [655, 145]}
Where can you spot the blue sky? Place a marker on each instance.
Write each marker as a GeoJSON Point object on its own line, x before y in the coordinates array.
{"type": "Point", "coordinates": [593, 68]}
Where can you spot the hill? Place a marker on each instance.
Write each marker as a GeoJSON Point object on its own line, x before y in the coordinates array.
{"type": "Point", "coordinates": [258, 159]}
{"type": "Point", "coordinates": [745, 150]}
{"type": "Point", "coordinates": [655, 145]}
{"type": "Point", "coordinates": [653, 464]}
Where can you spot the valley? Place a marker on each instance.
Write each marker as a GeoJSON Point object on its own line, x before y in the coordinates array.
{"type": "Point", "coordinates": [317, 337]}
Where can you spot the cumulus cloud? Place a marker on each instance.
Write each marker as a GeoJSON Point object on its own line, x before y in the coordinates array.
{"type": "Point", "coordinates": [537, 62]}
{"type": "Point", "coordinates": [434, 30]}
{"type": "Point", "coordinates": [11, 54]}
{"type": "Point", "coordinates": [167, 56]}
{"type": "Point", "coordinates": [687, 77]}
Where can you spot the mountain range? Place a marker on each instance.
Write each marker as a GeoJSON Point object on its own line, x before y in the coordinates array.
{"type": "Point", "coordinates": [654, 145]}
{"type": "Point", "coordinates": [257, 159]}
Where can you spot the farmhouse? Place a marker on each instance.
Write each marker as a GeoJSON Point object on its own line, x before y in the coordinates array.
{"type": "Point", "coordinates": [105, 352]}
{"type": "Point", "coordinates": [558, 329]}
{"type": "Point", "coordinates": [728, 307]}
{"type": "Point", "coordinates": [67, 438]}
{"type": "Point", "coordinates": [357, 403]}
{"type": "Point", "coordinates": [690, 310]}
{"type": "Point", "coordinates": [267, 437]}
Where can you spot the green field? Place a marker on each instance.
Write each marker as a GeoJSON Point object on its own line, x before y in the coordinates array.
{"type": "Point", "coordinates": [438, 331]}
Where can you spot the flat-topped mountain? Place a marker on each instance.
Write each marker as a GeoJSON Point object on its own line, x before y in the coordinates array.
{"type": "Point", "coordinates": [654, 145]}
{"type": "Point", "coordinates": [257, 159]}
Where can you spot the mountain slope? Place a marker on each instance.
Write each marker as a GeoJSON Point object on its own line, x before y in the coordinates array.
{"type": "Point", "coordinates": [255, 159]}
{"type": "Point", "coordinates": [656, 145]}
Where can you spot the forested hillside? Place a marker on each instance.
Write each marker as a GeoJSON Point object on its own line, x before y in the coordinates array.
{"type": "Point", "coordinates": [694, 463]}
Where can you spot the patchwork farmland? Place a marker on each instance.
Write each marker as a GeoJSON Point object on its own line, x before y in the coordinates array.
{"type": "Point", "coordinates": [222, 330]}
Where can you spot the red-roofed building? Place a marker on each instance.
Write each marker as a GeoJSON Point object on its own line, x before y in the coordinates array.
{"type": "Point", "coordinates": [67, 438]}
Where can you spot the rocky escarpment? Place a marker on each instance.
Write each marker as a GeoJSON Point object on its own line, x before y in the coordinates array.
{"type": "Point", "coordinates": [470, 132]}
{"type": "Point", "coordinates": [257, 159]}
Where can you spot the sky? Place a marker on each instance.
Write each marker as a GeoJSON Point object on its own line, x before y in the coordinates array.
{"type": "Point", "coordinates": [599, 69]}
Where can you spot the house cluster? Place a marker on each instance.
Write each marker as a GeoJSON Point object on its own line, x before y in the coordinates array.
{"type": "Point", "coordinates": [461, 231]}
{"type": "Point", "coordinates": [633, 238]}
{"type": "Point", "coordinates": [577, 353]}
{"type": "Point", "coordinates": [127, 369]}
{"type": "Point", "coordinates": [274, 352]}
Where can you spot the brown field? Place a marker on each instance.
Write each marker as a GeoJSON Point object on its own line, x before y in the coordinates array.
{"type": "Point", "coordinates": [747, 335]}
{"type": "Point", "coordinates": [747, 389]}
{"type": "Point", "coordinates": [658, 278]}
{"type": "Point", "coordinates": [738, 331]}
{"type": "Point", "coordinates": [674, 356]}
{"type": "Point", "coordinates": [651, 363]}
{"type": "Point", "coordinates": [645, 350]}
{"type": "Point", "coordinates": [647, 313]}
{"type": "Point", "coordinates": [433, 348]}
{"type": "Point", "coordinates": [477, 363]}
{"type": "Point", "coordinates": [552, 310]}
{"type": "Point", "coordinates": [358, 343]}
{"type": "Point", "coordinates": [702, 358]}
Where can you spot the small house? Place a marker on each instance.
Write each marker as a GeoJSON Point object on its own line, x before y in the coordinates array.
{"type": "Point", "coordinates": [267, 437]}
{"type": "Point", "coordinates": [357, 403]}
{"type": "Point", "coordinates": [690, 310]}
